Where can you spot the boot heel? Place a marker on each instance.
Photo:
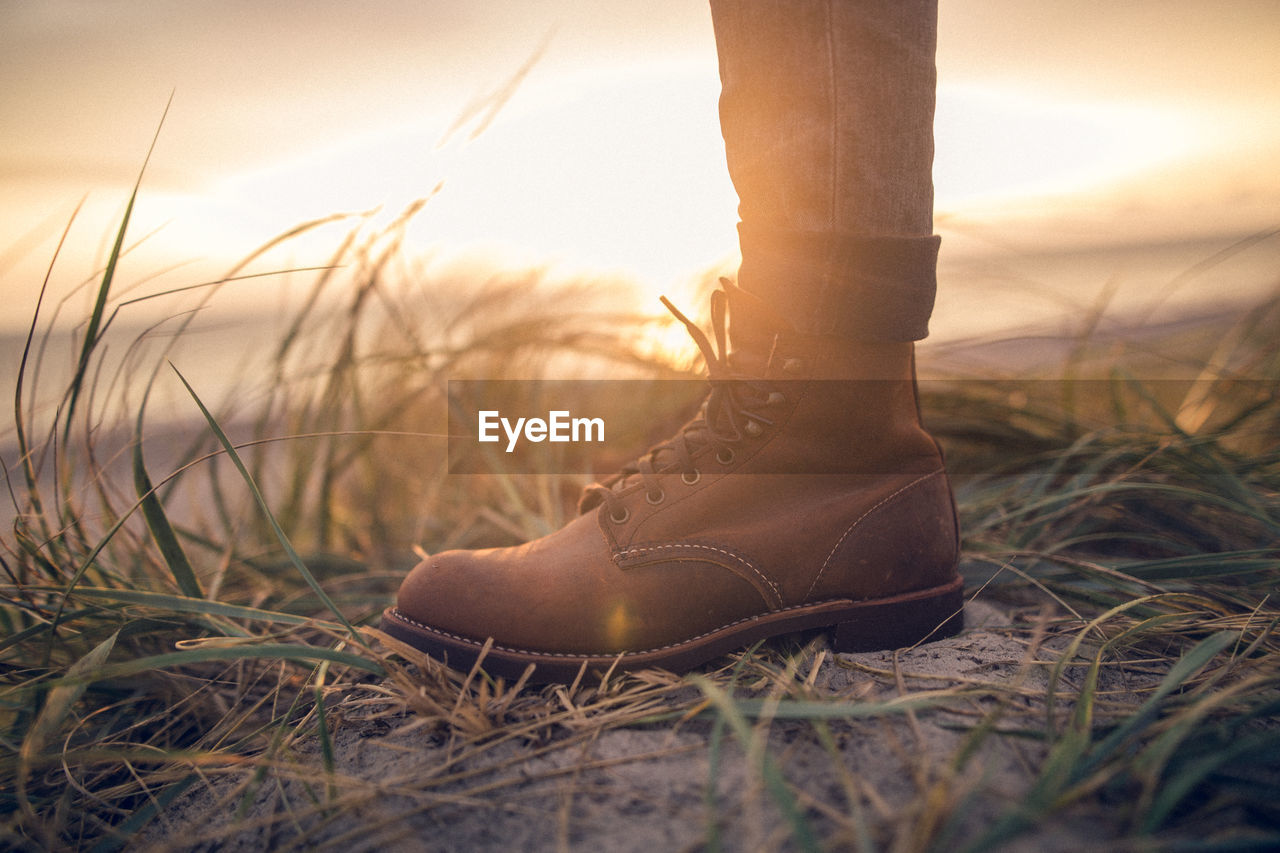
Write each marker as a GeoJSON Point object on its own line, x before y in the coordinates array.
{"type": "Point", "coordinates": [904, 620]}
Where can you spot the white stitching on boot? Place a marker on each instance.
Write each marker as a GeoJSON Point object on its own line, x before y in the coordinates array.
{"type": "Point", "coordinates": [607, 655]}
{"type": "Point", "coordinates": [859, 520]}
{"type": "Point", "coordinates": [773, 586]}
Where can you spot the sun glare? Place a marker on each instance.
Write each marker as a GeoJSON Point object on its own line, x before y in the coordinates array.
{"type": "Point", "coordinates": [1000, 145]}
{"type": "Point", "coordinates": [624, 174]}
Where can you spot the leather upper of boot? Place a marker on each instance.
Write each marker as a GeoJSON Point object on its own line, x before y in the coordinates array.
{"type": "Point", "coordinates": [807, 477]}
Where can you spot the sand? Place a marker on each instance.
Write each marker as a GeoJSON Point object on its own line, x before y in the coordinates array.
{"type": "Point", "coordinates": [887, 780]}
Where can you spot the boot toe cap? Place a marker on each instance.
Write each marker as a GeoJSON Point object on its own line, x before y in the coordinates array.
{"type": "Point", "coordinates": [444, 593]}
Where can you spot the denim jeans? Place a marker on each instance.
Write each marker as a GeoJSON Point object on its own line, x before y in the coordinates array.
{"type": "Point", "coordinates": [827, 113]}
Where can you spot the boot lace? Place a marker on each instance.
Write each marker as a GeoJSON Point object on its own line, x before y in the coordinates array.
{"type": "Point", "coordinates": [730, 412]}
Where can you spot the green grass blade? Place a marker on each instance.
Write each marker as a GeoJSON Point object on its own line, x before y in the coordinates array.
{"type": "Point", "coordinates": [818, 710]}
{"type": "Point", "coordinates": [760, 758]}
{"type": "Point", "coordinates": [298, 652]}
{"type": "Point", "coordinates": [1186, 666]}
{"type": "Point", "coordinates": [19, 637]}
{"type": "Point", "coordinates": [1262, 748]}
{"type": "Point", "coordinates": [90, 343]}
{"type": "Point", "coordinates": [119, 836]}
{"type": "Point", "coordinates": [158, 522]}
{"type": "Point", "coordinates": [322, 729]}
{"type": "Point", "coordinates": [258, 497]}
{"type": "Point", "coordinates": [19, 415]}
{"type": "Point", "coordinates": [202, 606]}
{"type": "Point", "coordinates": [710, 797]}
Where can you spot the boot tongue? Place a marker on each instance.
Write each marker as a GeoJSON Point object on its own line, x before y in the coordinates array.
{"type": "Point", "coordinates": [753, 326]}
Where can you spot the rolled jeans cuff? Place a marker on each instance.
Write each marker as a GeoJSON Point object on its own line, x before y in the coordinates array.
{"type": "Point", "coordinates": [868, 288]}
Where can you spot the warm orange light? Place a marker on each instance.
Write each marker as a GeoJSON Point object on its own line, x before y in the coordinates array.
{"type": "Point", "coordinates": [1002, 144]}
{"type": "Point", "coordinates": [625, 174]}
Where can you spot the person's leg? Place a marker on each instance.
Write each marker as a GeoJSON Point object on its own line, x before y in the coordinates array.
{"type": "Point", "coordinates": [807, 495]}
{"type": "Point", "coordinates": [827, 115]}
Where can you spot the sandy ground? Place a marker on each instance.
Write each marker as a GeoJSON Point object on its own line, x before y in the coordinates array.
{"type": "Point", "coordinates": [671, 785]}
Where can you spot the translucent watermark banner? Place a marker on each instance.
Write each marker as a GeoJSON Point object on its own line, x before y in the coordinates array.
{"type": "Point", "coordinates": [847, 427]}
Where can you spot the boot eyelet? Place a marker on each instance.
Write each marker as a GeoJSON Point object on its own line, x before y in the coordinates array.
{"type": "Point", "coordinates": [690, 478]}
{"type": "Point", "coordinates": [620, 518]}
{"type": "Point", "coordinates": [725, 456]}
{"type": "Point", "coordinates": [653, 500]}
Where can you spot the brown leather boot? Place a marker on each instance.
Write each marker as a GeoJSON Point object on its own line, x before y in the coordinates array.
{"type": "Point", "coordinates": [806, 495]}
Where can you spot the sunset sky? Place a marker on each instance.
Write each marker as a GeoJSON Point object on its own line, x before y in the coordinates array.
{"type": "Point", "coordinates": [1064, 122]}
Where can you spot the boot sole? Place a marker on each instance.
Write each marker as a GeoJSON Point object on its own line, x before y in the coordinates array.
{"type": "Point", "coordinates": [854, 626]}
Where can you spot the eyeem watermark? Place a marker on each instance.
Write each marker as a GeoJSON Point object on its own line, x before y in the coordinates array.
{"type": "Point", "coordinates": [562, 426]}
{"type": "Point", "coordinates": [559, 426]}
{"type": "Point", "coordinates": [552, 426]}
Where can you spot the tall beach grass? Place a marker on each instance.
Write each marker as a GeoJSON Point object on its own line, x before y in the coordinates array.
{"type": "Point", "coordinates": [206, 621]}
